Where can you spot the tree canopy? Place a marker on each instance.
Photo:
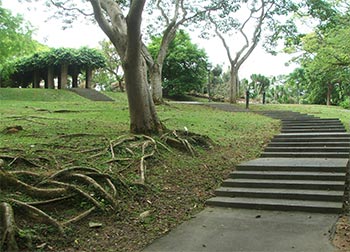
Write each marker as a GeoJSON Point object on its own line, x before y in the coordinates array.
{"type": "Point", "coordinates": [185, 66]}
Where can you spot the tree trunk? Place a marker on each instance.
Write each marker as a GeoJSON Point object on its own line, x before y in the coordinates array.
{"type": "Point", "coordinates": [155, 73]}
{"type": "Point", "coordinates": [143, 116]}
{"type": "Point", "coordinates": [233, 84]}
{"type": "Point", "coordinates": [329, 93]}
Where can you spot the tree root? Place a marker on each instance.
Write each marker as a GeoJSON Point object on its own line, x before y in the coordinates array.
{"type": "Point", "coordinates": [80, 192]}
{"type": "Point", "coordinates": [38, 214]}
{"type": "Point", "coordinates": [91, 182]}
{"type": "Point", "coordinates": [8, 181]}
{"type": "Point", "coordinates": [79, 217]}
{"type": "Point", "coordinates": [10, 230]}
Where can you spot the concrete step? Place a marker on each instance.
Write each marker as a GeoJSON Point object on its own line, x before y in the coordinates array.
{"type": "Point", "coordinates": [311, 120]}
{"type": "Point", "coordinates": [310, 135]}
{"type": "Point", "coordinates": [296, 165]}
{"type": "Point", "coordinates": [283, 130]}
{"type": "Point", "coordinates": [293, 175]}
{"type": "Point", "coordinates": [277, 204]}
{"type": "Point", "coordinates": [286, 184]}
{"type": "Point", "coordinates": [91, 94]}
{"type": "Point", "coordinates": [311, 123]}
{"type": "Point", "coordinates": [306, 154]}
{"type": "Point", "coordinates": [314, 126]}
{"type": "Point", "coordinates": [310, 140]}
{"type": "Point", "coordinates": [306, 149]}
{"type": "Point", "coordinates": [309, 144]}
{"type": "Point", "coordinates": [313, 195]}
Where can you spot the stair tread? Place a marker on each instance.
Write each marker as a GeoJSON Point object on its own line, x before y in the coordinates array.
{"type": "Point", "coordinates": [285, 181]}
{"type": "Point", "coordinates": [281, 191]}
{"type": "Point", "coordinates": [286, 173]}
{"type": "Point", "coordinates": [292, 162]}
{"type": "Point", "coordinates": [280, 202]}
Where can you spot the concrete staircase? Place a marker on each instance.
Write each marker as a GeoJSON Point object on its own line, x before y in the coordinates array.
{"type": "Point", "coordinates": [302, 169]}
{"type": "Point", "coordinates": [91, 94]}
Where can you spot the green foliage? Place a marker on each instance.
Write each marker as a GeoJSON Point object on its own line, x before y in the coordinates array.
{"type": "Point", "coordinates": [82, 57]}
{"type": "Point", "coordinates": [112, 72]}
{"type": "Point", "coordinates": [15, 36]}
{"type": "Point", "coordinates": [345, 103]}
{"type": "Point", "coordinates": [185, 67]}
{"type": "Point", "coordinates": [21, 70]}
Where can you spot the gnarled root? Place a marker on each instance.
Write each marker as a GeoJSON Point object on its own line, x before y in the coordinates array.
{"type": "Point", "coordinates": [9, 228]}
{"type": "Point", "coordinates": [38, 214]}
{"type": "Point", "coordinates": [7, 181]}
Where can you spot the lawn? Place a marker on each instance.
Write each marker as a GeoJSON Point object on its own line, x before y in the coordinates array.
{"type": "Point", "coordinates": [55, 130]}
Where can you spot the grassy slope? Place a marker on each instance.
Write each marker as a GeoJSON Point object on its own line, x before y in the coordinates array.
{"type": "Point", "coordinates": [179, 183]}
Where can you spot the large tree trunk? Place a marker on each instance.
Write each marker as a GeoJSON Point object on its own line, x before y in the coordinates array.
{"type": "Point", "coordinates": [155, 74]}
{"type": "Point", "coordinates": [125, 34]}
{"type": "Point", "coordinates": [233, 84]}
{"type": "Point", "coordinates": [143, 116]}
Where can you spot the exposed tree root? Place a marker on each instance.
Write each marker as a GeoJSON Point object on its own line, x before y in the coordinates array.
{"type": "Point", "coordinates": [9, 228]}
{"type": "Point", "coordinates": [91, 182]}
{"type": "Point", "coordinates": [79, 217]}
{"type": "Point", "coordinates": [9, 181]}
{"type": "Point", "coordinates": [42, 195]}
{"type": "Point", "coordinates": [38, 214]}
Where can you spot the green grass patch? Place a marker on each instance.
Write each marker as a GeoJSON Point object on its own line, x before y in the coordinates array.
{"type": "Point", "coordinates": [31, 94]}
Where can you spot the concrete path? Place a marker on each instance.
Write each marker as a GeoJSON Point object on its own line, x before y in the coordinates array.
{"type": "Point", "coordinates": [225, 229]}
{"type": "Point", "coordinates": [303, 169]}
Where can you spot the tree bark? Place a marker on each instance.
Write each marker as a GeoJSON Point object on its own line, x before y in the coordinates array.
{"type": "Point", "coordinates": [125, 35]}
{"type": "Point", "coordinates": [233, 84]}
{"type": "Point", "coordinates": [329, 93]}
{"type": "Point", "coordinates": [143, 116]}
{"type": "Point", "coordinates": [155, 74]}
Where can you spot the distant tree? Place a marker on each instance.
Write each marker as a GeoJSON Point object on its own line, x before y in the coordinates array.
{"type": "Point", "coordinates": [112, 73]}
{"type": "Point", "coordinates": [297, 84]}
{"type": "Point", "coordinates": [15, 39]}
{"type": "Point", "coordinates": [326, 62]}
{"type": "Point", "coordinates": [259, 84]}
{"type": "Point", "coordinates": [185, 66]}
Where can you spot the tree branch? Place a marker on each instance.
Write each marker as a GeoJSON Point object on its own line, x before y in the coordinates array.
{"type": "Point", "coordinates": [61, 6]}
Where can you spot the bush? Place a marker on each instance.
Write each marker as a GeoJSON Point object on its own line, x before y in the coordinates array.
{"type": "Point", "coordinates": [345, 103]}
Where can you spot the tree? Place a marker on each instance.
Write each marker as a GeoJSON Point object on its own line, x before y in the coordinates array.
{"type": "Point", "coordinates": [112, 72]}
{"type": "Point", "coordinates": [15, 39]}
{"type": "Point", "coordinates": [225, 22]}
{"type": "Point", "coordinates": [172, 15]}
{"type": "Point", "coordinates": [185, 66]}
{"type": "Point", "coordinates": [124, 32]}
{"type": "Point", "coordinates": [259, 84]}
{"type": "Point", "coordinates": [326, 61]}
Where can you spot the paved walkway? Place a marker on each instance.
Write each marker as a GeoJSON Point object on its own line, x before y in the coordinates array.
{"type": "Point", "coordinates": [231, 230]}
{"type": "Point", "coordinates": [303, 169]}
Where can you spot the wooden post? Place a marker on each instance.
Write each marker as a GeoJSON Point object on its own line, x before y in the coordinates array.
{"type": "Point", "coordinates": [88, 77]}
{"type": "Point", "coordinates": [50, 77]}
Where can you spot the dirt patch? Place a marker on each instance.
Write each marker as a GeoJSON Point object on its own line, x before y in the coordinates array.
{"type": "Point", "coordinates": [341, 238]}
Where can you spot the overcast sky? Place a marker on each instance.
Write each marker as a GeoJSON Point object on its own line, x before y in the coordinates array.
{"type": "Point", "coordinates": [51, 34]}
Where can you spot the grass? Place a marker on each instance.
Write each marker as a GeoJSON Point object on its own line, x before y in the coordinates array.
{"type": "Point", "coordinates": [61, 129]}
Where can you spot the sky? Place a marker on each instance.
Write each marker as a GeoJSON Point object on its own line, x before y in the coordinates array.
{"type": "Point", "coordinates": [49, 32]}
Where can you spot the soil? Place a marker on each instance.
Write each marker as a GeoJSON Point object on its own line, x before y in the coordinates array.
{"type": "Point", "coordinates": [341, 238]}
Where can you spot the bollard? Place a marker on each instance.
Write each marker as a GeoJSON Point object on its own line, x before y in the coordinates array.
{"type": "Point", "coordinates": [264, 96]}
{"type": "Point", "coordinates": [247, 99]}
